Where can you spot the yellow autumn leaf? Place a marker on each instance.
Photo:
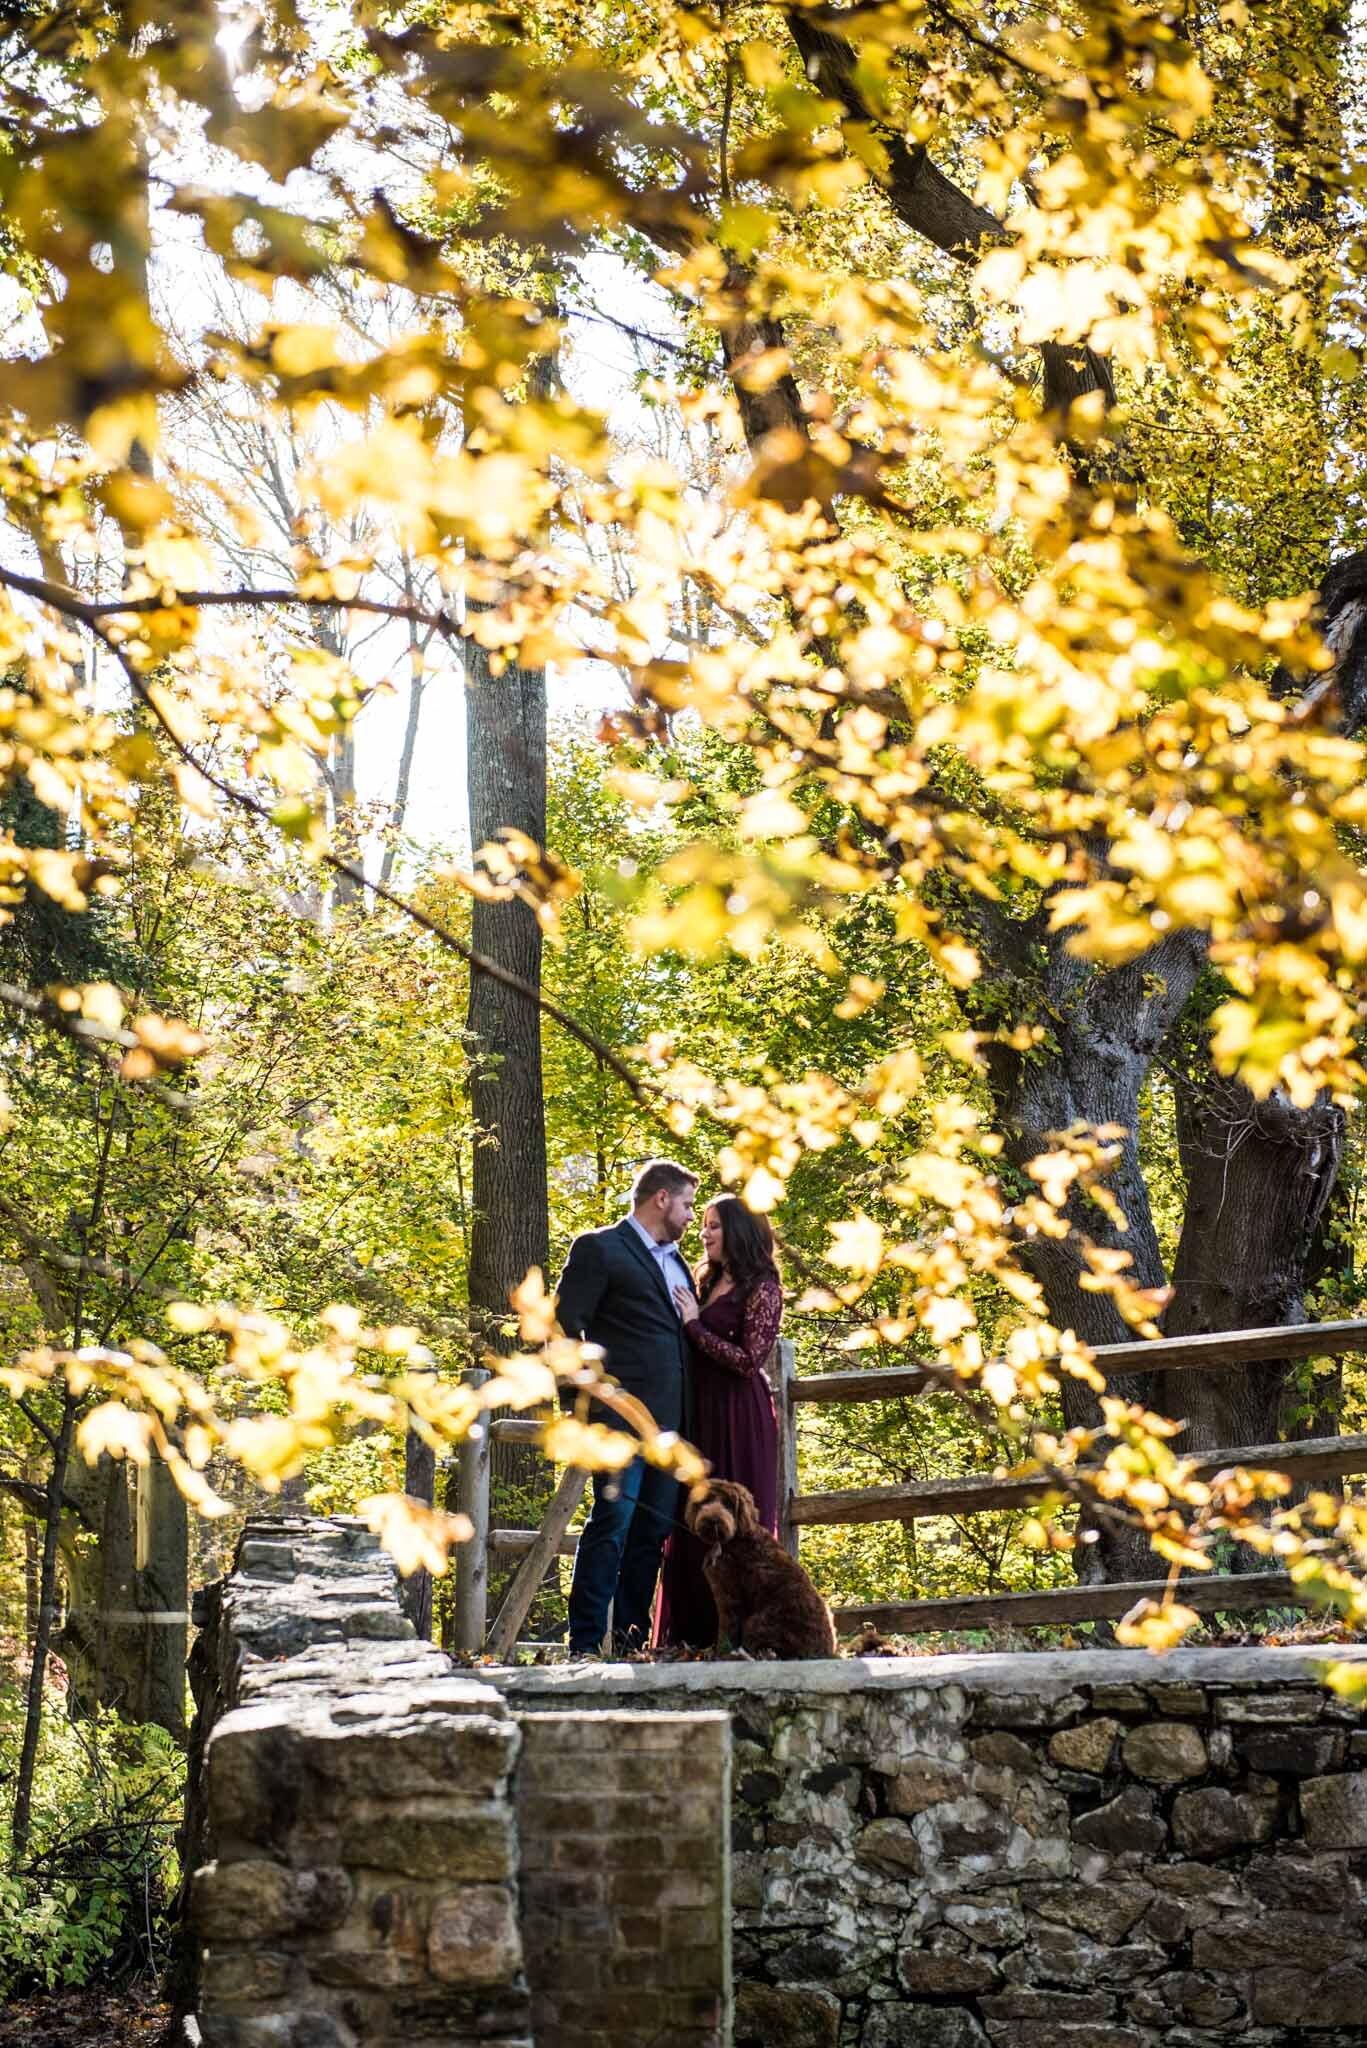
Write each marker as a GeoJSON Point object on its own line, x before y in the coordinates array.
{"type": "Point", "coordinates": [1178, 1552]}
{"type": "Point", "coordinates": [861, 994]}
{"type": "Point", "coordinates": [170, 1042]}
{"type": "Point", "coordinates": [190, 1318]}
{"type": "Point", "coordinates": [520, 1382]}
{"type": "Point", "coordinates": [999, 1383]}
{"type": "Point", "coordinates": [857, 1245]}
{"type": "Point", "coordinates": [763, 1190]}
{"type": "Point", "coordinates": [1347, 1680]}
{"type": "Point", "coordinates": [591, 1446]}
{"type": "Point", "coordinates": [534, 1307]}
{"type": "Point", "coordinates": [194, 1487]}
{"type": "Point", "coordinates": [417, 1537]}
{"type": "Point", "coordinates": [1149, 1626]}
{"type": "Point", "coordinates": [114, 1430]}
{"type": "Point", "coordinates": [273, 1447]}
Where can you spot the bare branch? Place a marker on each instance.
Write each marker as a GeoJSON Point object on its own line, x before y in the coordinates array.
{"type": "Point", "coordinates": [91, 1037]}
{"type": "Point", "coordinates": [34, 1500]}
{"type": "Point", "coordinates": [93, 616]}
{"type": "Point", "coordinates": [36, 1422]}
{"type": "Point", "coordinates": [91, 613]}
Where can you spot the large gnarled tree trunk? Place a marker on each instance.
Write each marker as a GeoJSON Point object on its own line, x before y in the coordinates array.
{"type": "Point", "coordinates": [1258, 1177]}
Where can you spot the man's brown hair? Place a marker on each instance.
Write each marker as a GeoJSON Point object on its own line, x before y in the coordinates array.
{"type": "Point", "coordinates": [658, 1174]}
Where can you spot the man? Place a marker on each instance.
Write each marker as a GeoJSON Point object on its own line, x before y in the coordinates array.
{"type": "Point", "coordinates": [617, 1290]}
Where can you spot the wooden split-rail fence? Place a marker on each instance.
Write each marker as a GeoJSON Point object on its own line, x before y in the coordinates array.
{"type": "Point", "coordinates": [1314, 1458]}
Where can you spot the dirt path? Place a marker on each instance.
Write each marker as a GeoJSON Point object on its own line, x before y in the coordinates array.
{"type": "Point", "coordinates": [83, 2019]}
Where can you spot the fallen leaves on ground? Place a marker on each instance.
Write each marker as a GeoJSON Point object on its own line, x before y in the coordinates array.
{"type": "Point", "coordinates": [84, 2019]}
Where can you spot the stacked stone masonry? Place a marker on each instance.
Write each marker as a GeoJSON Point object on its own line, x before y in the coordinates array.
{"type": "Point", "coordinates": [1088, 1850]}
{"type": "Point", "coordinates": [353, 1833]}
{"type": "Point", "coordinates": [352, 1804]}
{"type": "Point", "coordinates": [625, 1907]}
{"type": "Point", "coordinates": [1082, 1850]}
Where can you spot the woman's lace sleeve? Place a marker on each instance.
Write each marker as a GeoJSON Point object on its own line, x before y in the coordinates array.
{"type": "Point", "coordinates": [763, 1315]}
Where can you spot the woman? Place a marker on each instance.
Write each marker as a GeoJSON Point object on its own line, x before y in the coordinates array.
{"type": "Point", "coordinates": [732, 1328]}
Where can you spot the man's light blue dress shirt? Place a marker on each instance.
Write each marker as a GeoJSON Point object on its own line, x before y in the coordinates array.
{"type": "Point", "coordinates": [667, 1257]}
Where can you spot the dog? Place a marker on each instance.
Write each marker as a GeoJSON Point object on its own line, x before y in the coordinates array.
{"type": "Point", "coordinates": [766, 1604]}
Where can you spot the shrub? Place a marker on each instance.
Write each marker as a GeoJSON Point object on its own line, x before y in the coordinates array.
{"type": "Point", "coordinates": [91, 1899]}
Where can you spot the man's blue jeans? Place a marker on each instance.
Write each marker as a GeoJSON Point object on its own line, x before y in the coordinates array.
{"type": "Point", "coordinates": [618, 1560]}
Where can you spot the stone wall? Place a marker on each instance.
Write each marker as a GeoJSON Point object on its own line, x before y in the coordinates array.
{"type": "Point", "coordinates": [625, 1896]}
{"type": "Point", "coordinates": [351, 1826]}
{"type": "Point", "coordinates": [1090, 1850]}
{"type": "Point", "coordinates": [1084, 1850]}
{"type": "Point", "coordinates": [375, 1847]}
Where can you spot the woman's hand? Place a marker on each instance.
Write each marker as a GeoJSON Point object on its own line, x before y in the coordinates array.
{"type": "Point", "coordinates": [687, 1303]}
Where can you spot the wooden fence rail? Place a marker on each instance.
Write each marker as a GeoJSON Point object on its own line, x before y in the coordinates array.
{"type": "Point", "coordinates": [1311, 1459]}
{"type": "Point", "coordinates": [1162, 1354]}
{"type": "Point", "coordinates": [1326, 1457]}
{"type": "Point", "coordinates": [1218, 1593]}
{"type": "Point", "coordinates": [1305, 1461]}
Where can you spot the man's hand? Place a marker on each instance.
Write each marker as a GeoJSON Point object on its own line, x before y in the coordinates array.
{"type": "Point", "coordinates": [687, 1303]}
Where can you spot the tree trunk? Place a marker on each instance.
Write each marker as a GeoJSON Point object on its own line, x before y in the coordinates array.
{"type": "Point", "coordinates": [1104, 1029]}
{"type": "Point", "coordinates": [32, 1570]}
{"type": "Point", "coordinates": [22, 1819]}
{"type": "Point", "coordinates": [1259, 1175]}
{"type": "Point", "coordinates": [506, 754]}
{"type": "Point", "coordinates": [126, 1632]}
{"type": "Point", "coordinates": [419, 1482]}
{"type": "Point", "coordinates": [116, 1634]}
{"type": "Point", "coordinates": [162, 1555]}
{"type": "Point", "coordinates": [417, 683]}
{"type": "Point", "coordinates": [346, 894]}
{"type": "Point", "coordinates": [506, 747]}
{"type": "Point", "coordinates": [341, 775]}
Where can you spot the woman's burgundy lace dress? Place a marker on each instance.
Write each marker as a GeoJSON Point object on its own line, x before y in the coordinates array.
{"type": "Point", "coordinates": [733, 1423]}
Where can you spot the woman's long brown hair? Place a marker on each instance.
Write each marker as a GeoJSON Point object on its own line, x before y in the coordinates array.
{"type": "Point", "coordinates": [747, 1248]}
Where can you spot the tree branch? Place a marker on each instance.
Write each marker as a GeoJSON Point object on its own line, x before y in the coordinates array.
{"type": "Point", "coordinates": [90, 1037]}
{"type": "Point", "coordinates": [90, 611]}
{"type": "Point", "coordinates": [933, 206]}
{"type": "Point", "coordinates": [34, 1500]}
{"type": "Point", "coordinates": [80, 1265]}
{"type": "Point", "coordinates": [920, 193]}
{"type": "Point", "coordinates": [35, 1422]}
{"type": "Point", "coordinates": [92, 617]}
{"type": "Point", "coordinates": [1042, 80]}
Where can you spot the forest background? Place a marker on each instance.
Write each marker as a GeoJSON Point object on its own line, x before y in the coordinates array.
{"type": "Point", "coordinates": [781, 585]}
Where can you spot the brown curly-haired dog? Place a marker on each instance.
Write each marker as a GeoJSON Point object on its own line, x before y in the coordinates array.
{"type": "Point", "coordinates": [766, 1604]}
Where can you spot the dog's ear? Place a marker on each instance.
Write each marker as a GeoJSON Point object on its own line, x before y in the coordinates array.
{"type": "Point", "coordinates": [743, 1507]}
{"type": "Point", "coordinates": [695, 1509]}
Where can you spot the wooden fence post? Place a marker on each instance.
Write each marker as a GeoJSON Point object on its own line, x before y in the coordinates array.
{"type": "Point", "coordinates": [785, 1375]}
{"type": "Point", "coordinates": [532, 1570]}
{"type": "Point", "coordinates": [472, 1558]}
{"type": "Point", "coordinates": [419, 1483]}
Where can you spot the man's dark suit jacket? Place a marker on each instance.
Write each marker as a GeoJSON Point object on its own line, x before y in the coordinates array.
{"type": "Point", "coordinates": [613, 1293]}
